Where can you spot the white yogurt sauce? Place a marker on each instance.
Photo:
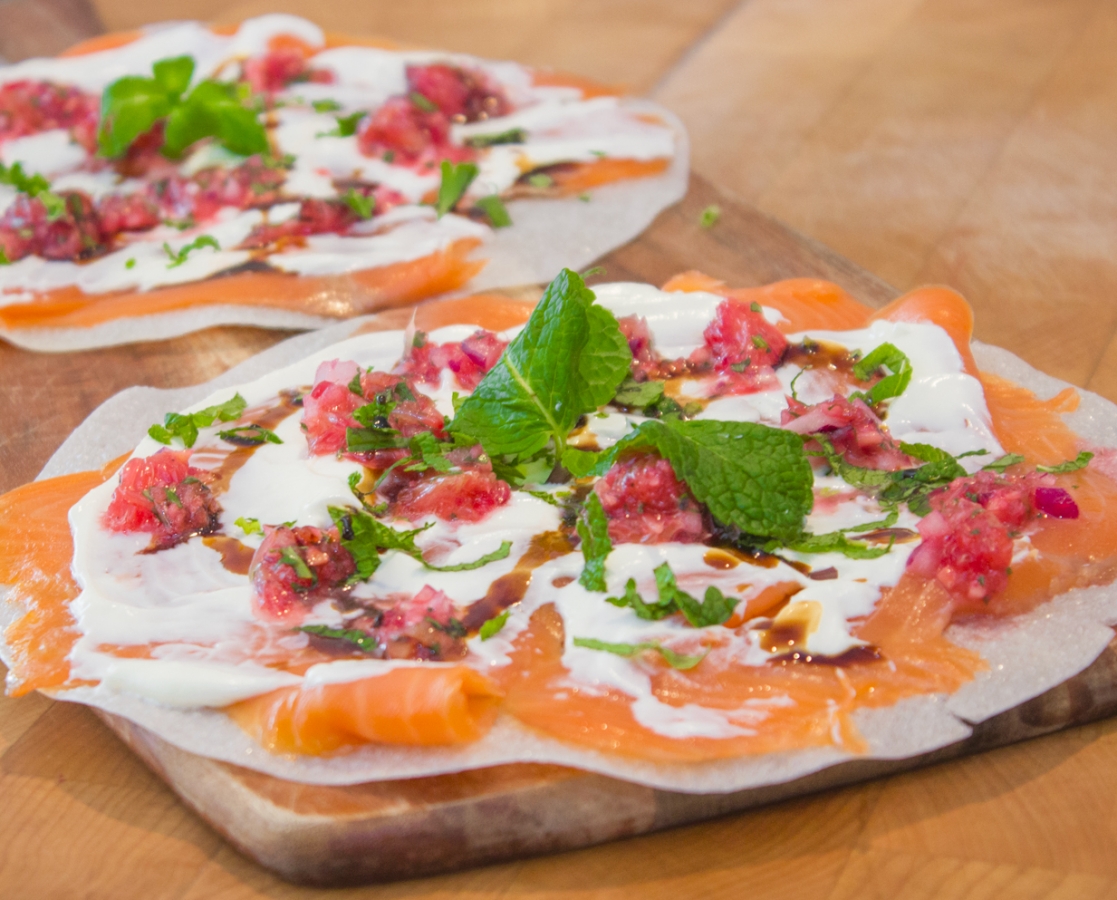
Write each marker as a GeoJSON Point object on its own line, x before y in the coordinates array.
{"type": "Point", "coordinates": [559, 123]}
{"type": "Point", "coordinates": [200, 614]}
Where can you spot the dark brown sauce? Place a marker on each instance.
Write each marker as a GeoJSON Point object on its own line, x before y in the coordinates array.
{"type": "Point", "coordinates": [720, 559]}
{"type": "Point", "coordinates": [510, 589]}
{"type": "Point", "coordinates": [852, 657]}
{"type": "Point", "coordinates": [821, 355]}
{"type": "Point", "coordinates": [235, 556]}
{"type": "Point", "coordinates": [562, 581]}
{"type": "Point", "coordinates": [886, 535]}
{"type": "Point", "coordinates": [827, 574]}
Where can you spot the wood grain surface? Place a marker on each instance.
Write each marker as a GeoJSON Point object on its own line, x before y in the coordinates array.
{"type": "Point", "coordinates": [964, 142]}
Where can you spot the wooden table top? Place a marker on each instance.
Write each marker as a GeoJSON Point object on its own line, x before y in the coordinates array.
{"type": "Point", "coordinates": [969, 143]}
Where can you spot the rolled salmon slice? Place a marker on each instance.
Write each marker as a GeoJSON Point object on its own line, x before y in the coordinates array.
{"type": "Point", "coordinates": [415, 705]}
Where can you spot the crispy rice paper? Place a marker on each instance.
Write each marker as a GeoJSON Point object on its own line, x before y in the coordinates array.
{"type": "Point", "coordinates": [1028, 654]}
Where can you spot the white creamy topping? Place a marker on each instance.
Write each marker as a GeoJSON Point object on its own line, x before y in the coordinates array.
{"type": "Point", "coordinates": [559, 125]}
{"type": "Point", "coordinates": [199, 615]}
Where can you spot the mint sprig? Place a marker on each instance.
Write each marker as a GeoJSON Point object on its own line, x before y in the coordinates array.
{"type": "Point", "coordinates": [593, 529]}
{"type": "Point", "coordinates": [566, 362]}
{"type": "Point", "coordinates": [184, 426]}
{"type": "Point", "coordinates": [131, 105]}
{"type": "Point", "coordinates": [493, 207]}
{"type": "Point", "coordinates": [350, 635]}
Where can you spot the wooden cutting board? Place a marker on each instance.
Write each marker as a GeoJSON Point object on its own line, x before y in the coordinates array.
{"type": "Point", "coordinates": [400, 829]}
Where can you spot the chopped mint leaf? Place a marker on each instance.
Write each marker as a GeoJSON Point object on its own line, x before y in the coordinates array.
{"type": "Point", "coordinates": [325, 106]}
{"type": "Point", "coordinates": [999, 465]}
{"type": "Point", "coordinates": [346, 125]}
{"type": "Point", "coordinates": [897, 366]}
{"type": "Point", "coordinates": [831, 542]}
{"type": "Point", "coordinates": [1071, 465]}
{"type": "Point", "coordinates": [585, 198]}
{"type": "Point", "coordinates": [355, 385]}
{"type": "Point", "coordinates": [541, 180]}
{"type": "Point", "coordinates": [428, 453]}
{"type": "Point", "coordinates": [511, 136]}
{"type": "Point", "coordinates": [710, 216]}
{"type": "Point", "coordinates": [638, 394]}
{"type": "Point", "coordinates": [185, 425]}
{"type": "Point", "coordinates": [250, 435]}
{"type": "Point", "coordinates": [456, 179]}
{"type": "Point", "coordinates": [177, 259]}
{"type": "Point", "coordinates": [422, 102]}
{"type": "Point", "coordinates": [715, 608]}
{"type": "Point", "coordinates": [751, 476]}
{"type": "Point", "coordinates": [290, 556]}
{"type": "Point", "coordinates": [4, 261]}
{"type": "Point", "coordinates": [361, 204]}
{"type": "Point", "coordinates": [249, 526]}
{"type": "Point", "coordinates": [545, 496]}
{"type": "Point", "coordinates": [358, 638]}
{"type": "Point", "coordinates": [369, 440]}
{"type": "Point", "coordinates": [593, 529]}
{"type": "Point", "coordinates": [492, 627]}
{"type": "Point", "coordinates": [498, 554]}
{"type": "Point", "coordinates": [567, 361]}
{"type": "Point", "coordinates": [130, 263]}
{"type": "Point", "coordinates": [679, 661]}
{"type": "Point", "coordinates": [366, 538]}
{"type": "Point", "coordinates": [493, 207]}
{"type": "Point", "coordinates": [34, 186]}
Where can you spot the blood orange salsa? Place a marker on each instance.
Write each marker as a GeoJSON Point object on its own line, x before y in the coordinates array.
{"type": "Point", "coordinates": [680, 525]}
{"type": "Point", "coordinates": [319, 177]}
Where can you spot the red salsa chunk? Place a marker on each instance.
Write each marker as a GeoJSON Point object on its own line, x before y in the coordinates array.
{"type": "Point", "coordinates": [469, 360]}
{"type": "Point", "coordinates": [647, 504]}
{"type": "Point", "coordinates": [854, 431]}
{"type": "Point", "coordinates": [295, 568]}
{"type": "Point", "coordinates": [165, 496]}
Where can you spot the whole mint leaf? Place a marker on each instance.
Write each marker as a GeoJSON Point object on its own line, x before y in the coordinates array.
{"type": "Point", "coordinates": [751, 476]}
{"type": "Point", "coordinates": [567, 361]}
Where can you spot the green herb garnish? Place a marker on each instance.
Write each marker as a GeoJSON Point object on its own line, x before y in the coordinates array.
{"type": "Point", "coordinates": [897, 366]}
{"type": "Point", "coordinates": [593, 529]}
{"type": "Point", "coordinates": [1072, 465]}
{"type": "Point", "coordinates": [493, 207]}
{"type": "Point", "coordinates": [680, 661]}
{"type": "Point", "coordinates": [33, 186]}
{"type": "Point", "coordinates": [566, 362]}
{"type": "Point", "coordinates": [493, 626]}
{"type": "Point", "coordinates": [540, 180]}
{"type": "Point", "coordinates": [185, 425]}
{"type": "Point", "coordinates": [177, 259]}
{"type": "Point", "coordinates": [249, 526]}
{"type": "Point", "coordinates": [456, 179]}
{"type": "Point", "coordinates": [251, 435]}
{"type": "Point", "coordinates": [361, 204]}
{"type": "Point", "coordinates": [131, 105]}
{"type": "Point", "coordinates": [710, 216]}
{"type": "Point", "coordinates": [511, 136]}
{"type": "Point", "coordinates": [351, 635]}
{"type": "Point", "coordinates": [713, 610]}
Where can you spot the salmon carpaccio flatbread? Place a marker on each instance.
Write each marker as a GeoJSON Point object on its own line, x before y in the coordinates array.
{"type": "Point", "coordinates": [699, 538]}
{"type": "Point", "coordinates": [158, 182]}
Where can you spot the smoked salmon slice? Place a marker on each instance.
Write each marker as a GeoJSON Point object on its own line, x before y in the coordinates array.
{"type": "Point", "coordinates": [416, 705]}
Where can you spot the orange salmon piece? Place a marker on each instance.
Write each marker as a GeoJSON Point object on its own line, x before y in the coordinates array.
{"type": "Point", "coordinates": [940, 306]}
{"type": "Point", "coordinates": [803, 302]}
{"type": "Point", "coordinates": [583, 176]}
{"type": "Point", "coordinates": [335, 296]}
{"type": "Point", "coordinates": [35, 554]}
{"type": "Point", "coordinates": [414, 705]}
